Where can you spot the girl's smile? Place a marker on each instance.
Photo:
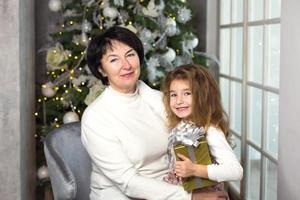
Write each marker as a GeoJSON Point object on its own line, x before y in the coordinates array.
{"type": "Point", "coordinates": [181, 98]}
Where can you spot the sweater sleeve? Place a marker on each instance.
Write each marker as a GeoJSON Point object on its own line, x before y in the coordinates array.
{"type": "Point", "coordinates": [228, 167]}
{"type": "Point", "coordinates": [108, 156]}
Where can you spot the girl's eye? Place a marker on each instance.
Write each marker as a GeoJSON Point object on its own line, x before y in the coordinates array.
{"type": "Point", "coordinates": [173, 95]}
{"type": "Point", "coordinates": [187, 93]}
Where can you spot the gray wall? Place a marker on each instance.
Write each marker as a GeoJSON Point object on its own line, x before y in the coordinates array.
{"type": "Point", "coordinates": [45, 23]}
{"type": "Point", "coordinates": [17, 149]}
{"type": "Point", "coordinates": [200, 17]}
{"type": "Point", "coordinates": [289, 111]}
{"type": "Point", "coordinates": [212, 27]}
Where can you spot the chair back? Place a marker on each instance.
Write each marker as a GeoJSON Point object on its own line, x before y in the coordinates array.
{"type": "Point", "coordinates": [69, 164]}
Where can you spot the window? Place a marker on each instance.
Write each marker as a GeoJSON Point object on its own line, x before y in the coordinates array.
{"type": "Point", "coordinates": [249, 53]}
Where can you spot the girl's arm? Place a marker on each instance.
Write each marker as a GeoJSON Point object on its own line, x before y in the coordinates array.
{"type": "Point", "coordinates": [186, 168]}
{"type": "Point", "coordinates": [228, 167]}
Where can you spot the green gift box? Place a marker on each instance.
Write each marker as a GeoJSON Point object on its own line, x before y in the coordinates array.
{"type": "Point", "coordinates": [199, 155]}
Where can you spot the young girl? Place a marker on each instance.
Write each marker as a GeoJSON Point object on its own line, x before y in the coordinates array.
{"type": "Point", "coordinates": [192, 98]}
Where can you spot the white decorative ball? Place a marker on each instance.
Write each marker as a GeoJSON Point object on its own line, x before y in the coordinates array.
{"type": "Point", "coordinates": [48, 90]}
{"type": "Point", "coordinates": [171, 28]}
{"type": "Point", "coordinates": [110, 12]}
{"type": "Point", "coordinates": [193, 42]}
{"type": "Point", "coordinates": [54, 5]}
{"type": "Point", "coordinates": [171, 31]}
{"type": "Point", "coordinates": [170, 55]}
{"type": "Point", "coordinates": [170, 22]}
{"type": "Point", "coordinates": [70, 117]}
{"type": "Point", "coordinates": [42, 172]}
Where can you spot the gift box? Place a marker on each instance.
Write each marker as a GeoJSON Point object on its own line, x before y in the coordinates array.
{"type": "Point", "coordinates": [198, 154]}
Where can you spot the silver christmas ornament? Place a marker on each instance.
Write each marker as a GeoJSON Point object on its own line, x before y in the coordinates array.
{"type": "Point", "coordinates": [54, 5]}
{"type": "Point", "coordinates": [42, 172]}
{"type": "Point", "coordinates": [170, 55]}
{"type": "Point", "coordinates": [192, 43]}
{"type": "Point", "coordinates": [110, 12]}
{"type": "Point", "coordinates": [171, 28]}
{"type": "Point", "coordinates": [70, 117]}
{"type": "Point", "coordinates": [48, 90]}
{"type": "Point", "coordinates": [145, 34]}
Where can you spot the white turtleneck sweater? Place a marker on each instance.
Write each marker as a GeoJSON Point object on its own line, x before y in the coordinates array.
{"type": "Point", "coordinates": [126, 138]}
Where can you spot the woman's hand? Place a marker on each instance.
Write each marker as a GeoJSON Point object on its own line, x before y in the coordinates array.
{"type": "Point", "coordinates": [184, 168]}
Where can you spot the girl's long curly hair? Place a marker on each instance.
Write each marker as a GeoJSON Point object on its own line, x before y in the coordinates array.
{"type": "Point", "coordinates": [206, 104]}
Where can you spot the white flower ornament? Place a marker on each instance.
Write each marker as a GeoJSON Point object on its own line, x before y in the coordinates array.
{"type": "Point", "coordinates": [151, 9]}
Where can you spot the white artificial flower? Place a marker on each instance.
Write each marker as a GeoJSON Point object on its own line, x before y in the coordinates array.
{"type": "Point", "coordinates": [94, 92]}
{"type": "Point", "coordinates": [151, 10]}
{"type": "Point", "coordinates": [152, 65]}
{"type": "Point", "coordinates": [124, 15]}
{"type": "Point", "coordinates": [79, 80]}
{"type": "Point", "coordinates": [184, 15]}
{"type": "Point", "coordinates": [130, 27]}
{"type": "Point", "coordinates": [92, 80]}
{"type": "Point", "coordinates": [70, 13]}
{"type": "Point", "coordinates": [55, 56]}
{"type": "Point", "coordinates": [145, 34]}
{"type": "Point", "coordinates": [109, 23]}
{"type": "Point", "coordinates": [119, 3]}
{"type": "Point", "coordinates": [153, 62]}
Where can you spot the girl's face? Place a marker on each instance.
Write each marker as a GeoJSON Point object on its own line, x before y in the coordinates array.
{"type": "Point", "coordinates": [181, 98]}
{"type": "Point", "coordinates": [121, 65]}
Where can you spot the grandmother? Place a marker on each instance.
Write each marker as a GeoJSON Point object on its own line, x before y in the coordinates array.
{"type": "Point", "coordinates": [124, 129]}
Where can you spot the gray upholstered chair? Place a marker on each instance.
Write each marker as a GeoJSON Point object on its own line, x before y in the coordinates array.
{"type": "Point", "coordinates": [68, 163]}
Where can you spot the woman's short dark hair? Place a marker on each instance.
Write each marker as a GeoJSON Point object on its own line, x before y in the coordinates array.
{"type": "Point", "coordinates": [99, 45]}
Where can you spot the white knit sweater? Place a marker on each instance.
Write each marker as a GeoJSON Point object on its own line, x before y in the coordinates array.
{"type": "Point", "coordinates": [126, 137]}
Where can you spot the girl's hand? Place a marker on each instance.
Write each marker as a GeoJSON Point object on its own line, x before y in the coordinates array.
{"type": "Point", "coordinates": [184, 168]}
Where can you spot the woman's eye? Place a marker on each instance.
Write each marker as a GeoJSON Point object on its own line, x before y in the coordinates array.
{"type": "Point", "coordinates": [173, 95]}
{"type": "Point", "coordinates": [113, 60]}
{"type": "Point", "coordinates": [130, 54]}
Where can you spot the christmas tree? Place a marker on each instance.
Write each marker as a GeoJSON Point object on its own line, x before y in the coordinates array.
{"type": "Point", "coordinates": [164, 27]}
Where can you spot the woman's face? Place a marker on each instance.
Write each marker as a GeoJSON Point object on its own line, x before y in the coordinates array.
{"type": "Point", "coordinates": [121, 65]}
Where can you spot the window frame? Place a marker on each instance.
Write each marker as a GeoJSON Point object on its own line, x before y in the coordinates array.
{"type": "Point", "coordinates": [245, 83]}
